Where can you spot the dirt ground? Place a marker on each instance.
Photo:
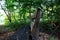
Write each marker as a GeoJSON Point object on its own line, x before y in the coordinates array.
{"type": "Point", "coordinates": [42, 36]}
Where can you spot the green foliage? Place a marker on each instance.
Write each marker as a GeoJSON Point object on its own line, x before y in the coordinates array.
{"type": "Point", "coordinates": [46, 26]}
{"type": "Point", "coordinates": [52, 38]}
{"type": "Point", "coordinates": [19, 12]}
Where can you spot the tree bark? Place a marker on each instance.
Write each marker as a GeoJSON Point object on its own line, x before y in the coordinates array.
{"type": "Point", "coordinates": [35, 25]}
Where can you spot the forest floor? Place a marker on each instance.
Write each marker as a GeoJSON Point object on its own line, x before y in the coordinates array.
{"type": "Point", "coordinates": [3, 36]}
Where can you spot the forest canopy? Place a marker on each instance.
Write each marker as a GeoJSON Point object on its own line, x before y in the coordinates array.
{"type": "Point", "coordinates": [19, 12]}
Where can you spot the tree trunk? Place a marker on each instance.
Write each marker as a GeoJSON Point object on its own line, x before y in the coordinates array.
{"type": "Point", "coordinates": [35, 25]}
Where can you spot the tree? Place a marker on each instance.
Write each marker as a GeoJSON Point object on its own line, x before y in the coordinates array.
{"type": "Point", "coordinates": [35, 25]}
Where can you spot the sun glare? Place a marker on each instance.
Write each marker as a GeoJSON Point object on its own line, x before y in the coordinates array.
{"type": "Point", "coordinates": [2, 17]}
{"type": "Point", "coordinates": [2, 13]}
